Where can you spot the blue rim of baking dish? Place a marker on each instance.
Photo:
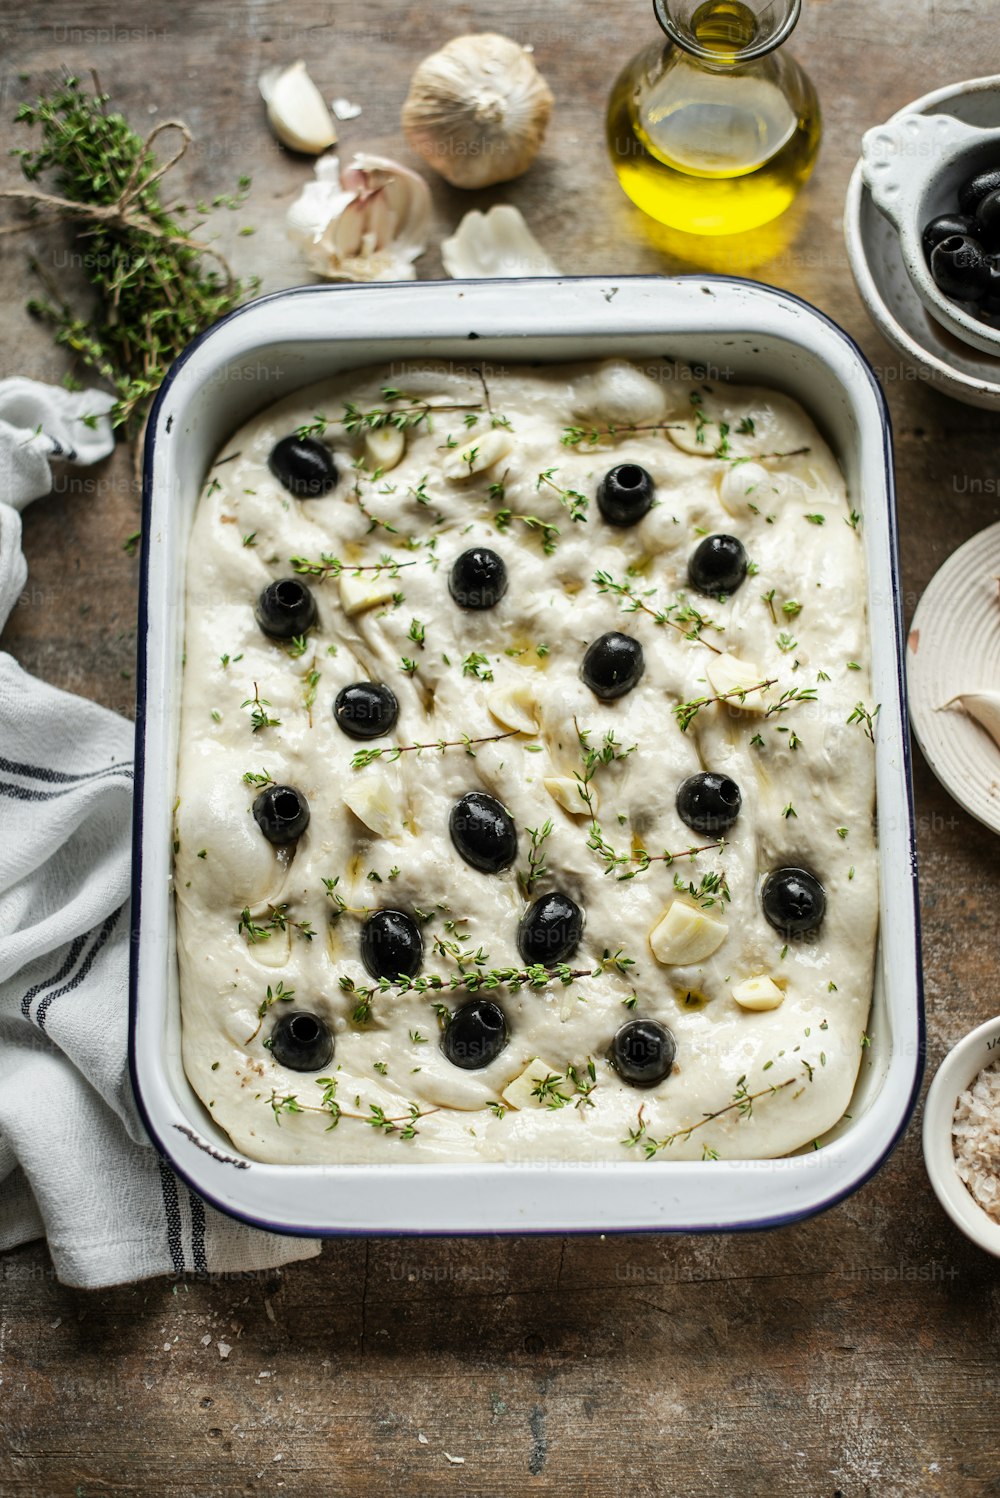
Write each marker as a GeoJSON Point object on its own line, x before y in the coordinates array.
{"type": "Point", "coordinates": [777, 1220]}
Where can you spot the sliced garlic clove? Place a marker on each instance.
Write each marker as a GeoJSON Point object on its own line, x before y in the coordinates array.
{"type": "Point", "coordinates": [358, 593]}
{"type": "Point", "coordinates": [296, 110]}
{"type": "Point", "coordinates": [478, 454]}
{"type": "Point", "coordinates": [375, 799]}
{"type": "Point", "coordinates": [728, 674]}
{"type": "Point", "coordinates": [514, 707]}
{"type": "Point", "coordinates": [497, 243]}
{"type": "Point", "coordinates": [565, 792]}
{"type": "Point", "coordinates": [520, 1092]}
{"type": "Point", "coordinates": [686, 934]}
{"type": "Point", "coordinates": [758, 993]}
{"type": "Point", "coordinates": [984, 707]}
{"type": "Point", "coordinates": [384, 447]}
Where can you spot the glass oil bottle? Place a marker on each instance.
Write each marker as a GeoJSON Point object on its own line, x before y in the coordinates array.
{"type": "Point", "coordinates": [715, 131]}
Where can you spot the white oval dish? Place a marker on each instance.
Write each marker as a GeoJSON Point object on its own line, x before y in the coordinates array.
{"type": "Point", "coordinates": [954, 646]}
{"type": "Point", "coordinates": [958, 1071]}
{"type": "Point", "coordinates": [929, 350]}
{"type": "Point", "coordinates": [729, 329]}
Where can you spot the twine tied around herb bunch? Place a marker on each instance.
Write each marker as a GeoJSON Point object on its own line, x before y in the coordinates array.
{"type": "Point", "coordinates": [119, 215]}
{"type": "Point", "coordinates": [152, 296]}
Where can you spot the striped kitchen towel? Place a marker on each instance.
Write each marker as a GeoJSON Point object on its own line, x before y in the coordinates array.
{"type": "Point", "coordinates": [76, 1166]}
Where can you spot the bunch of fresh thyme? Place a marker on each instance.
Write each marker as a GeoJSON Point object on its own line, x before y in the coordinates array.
{"type": "Point", "coordinates": [152, 290]}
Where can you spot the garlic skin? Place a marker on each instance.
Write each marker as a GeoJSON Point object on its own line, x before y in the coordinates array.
{"type": "Point", "coordinates": [984, 707]}
{"type": "Point", "coordinates": [296, 110]}
{"type": "Point", "coordinates": [477, 110]}
{"type": "Point", "coordinates": [497, 243]}
{"type": "Point", "coordinates": [367, 223]}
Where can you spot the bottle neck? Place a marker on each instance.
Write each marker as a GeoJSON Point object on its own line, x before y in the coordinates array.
{"type": "Point", "coordinates": [727, 33]}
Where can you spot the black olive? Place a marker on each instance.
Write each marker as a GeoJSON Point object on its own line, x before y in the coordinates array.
{"type": "Point", "coordinates": [391, 944]}
{"type": "Point", "coordinates": [943, 227]}
{"type": "Point", "coordinates": [613, 665]}
{"type": "Point", "coordinates": [987, 225]}
{"type": "Point", "coordinates": [960, 268]}
{"type": "Point", "coordinates": [281, 813]}
{"type": "Point", "coordinates": [303, 466]}
{"type": "Point", "coordinates": [642, 1052]}
{"type": "Point", "coordinates": [475, 1035]}
{"type": "Point", "coordinates": [302, 1041]}
{"type": "Point", "coordinates": [483, 832]}
{"type": "Point", "coordinates": [625, 494]}
{"type": "Point", "coordinates": [718, 565]}
{"type": "Point", "coordinates": [975, 189]}
{"type": "Point", "coordinates": [366, 710]}
{"type": "Point", "coordinates": [708, 802]}
{"type": "Point", "coordinates": [478, 578]}
{"type": "Point", "coordinates": [285, 608]}
{"type": "Point", "coordinates": [550, 930]}
{"type": "Point", "coordinates": [793, 900]}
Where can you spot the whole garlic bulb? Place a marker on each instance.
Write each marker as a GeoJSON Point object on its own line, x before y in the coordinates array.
{"type": "Point", "coordinates": [477, 110]}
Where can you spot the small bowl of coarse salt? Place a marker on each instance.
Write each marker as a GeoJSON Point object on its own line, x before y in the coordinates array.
{"type": "Point", "coordinates": [962, 1135]}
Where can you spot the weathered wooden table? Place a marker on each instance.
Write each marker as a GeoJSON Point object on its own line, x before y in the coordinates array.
{"type": "Point", "coordinates": [853, 1354]}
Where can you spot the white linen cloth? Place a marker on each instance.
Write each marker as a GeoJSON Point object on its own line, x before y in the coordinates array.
{"type": "Point", "coordinates": [76, 1166]}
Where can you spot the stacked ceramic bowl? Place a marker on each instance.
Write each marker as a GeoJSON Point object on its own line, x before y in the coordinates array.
{"type": "Point", "coordinates": [911, 172]}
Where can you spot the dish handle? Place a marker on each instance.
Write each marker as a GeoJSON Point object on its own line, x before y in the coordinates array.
{"type": "Point", "coordinates": [899, 159]}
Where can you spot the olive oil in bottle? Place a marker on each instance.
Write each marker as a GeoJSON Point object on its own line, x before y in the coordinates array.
{"type": "Point", "coordinates": [717, 130]}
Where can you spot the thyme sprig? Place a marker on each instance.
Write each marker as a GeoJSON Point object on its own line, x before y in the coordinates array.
{"type": "Point", "coordinates": [536, 858]}
{"type": "Point", "coordinates": [405, 418]}
{"type": "Point", "coordinates": [712, 890]}
{"type": "Point", "coordinates": [686, 712]}
{"type": "Point", "coordinates": [535, 977]}
{"type": "Point", "coordinates": [549, 533]}
{"type": "Point", "coordinates": [866, 718]}
{"type": "Point", "coordinates": [392, 752]}
{"type": "Point", "coordinates": [571, 499]}
{"type": "Point", "coordinates": [742, 1102]}
{"type": "Point", "coordinates": [581, 1080]}
{"type": "Point", "coordinates": [259, 717]}
{"type": "Point", "coordinates": [331, 567]}
{"type": "Point", "coordinates": [402, 1125]}
{"type": "Point", "coordinates": [259, 781]}
{"type": "Point", "coordinates": [790, 696]}
{"type": "Point", "coordinates": [613, 860]}
{"type": "Point", "coordinates": [277, 919]}
{"type": "Point", "coordinates": [576, 436]}
{"type": "Point", "coordinates": [277, 995]}
{"type": "Point", "coordinates": [676, 615]}
{"type": "Point", "coordinates": [152, 291]}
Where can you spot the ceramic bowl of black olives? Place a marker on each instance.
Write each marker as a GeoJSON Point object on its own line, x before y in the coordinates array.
{"type": "Point", "coordinates": [937, 180]}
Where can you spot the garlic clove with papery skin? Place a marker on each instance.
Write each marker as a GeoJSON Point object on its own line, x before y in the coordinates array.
{"type": "Point", "coordinates": [367, 223]}
{"type": "Point", "coordinates": [296, 110]}
{"type": "Point", "coordinates": [477, 110]}
{"type": "Point", "coordinates": [497, 243]}
{"type": "Point", "coordinates": [984, 707]}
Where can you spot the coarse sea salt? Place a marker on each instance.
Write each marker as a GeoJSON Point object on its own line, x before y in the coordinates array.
{"type": "Point", "coordinates": [976, 1139]}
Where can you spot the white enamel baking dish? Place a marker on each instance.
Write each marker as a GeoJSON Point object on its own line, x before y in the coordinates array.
{"type": "Point", "coordinates": [731, 329]}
